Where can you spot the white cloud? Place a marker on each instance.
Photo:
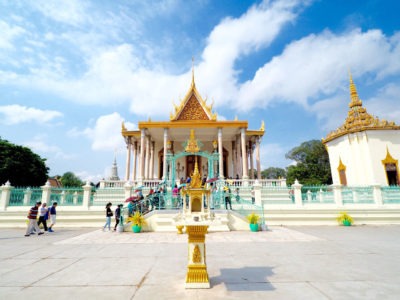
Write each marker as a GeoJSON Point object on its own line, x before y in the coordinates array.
{"type": "Point", "coordinates": [273, 155]}
{"type": "Point", "coordinates": [8, 34]}
{"type": "Point", "coordinates": [16, 114]}
{"type": "Point", "coordinates": [72, 12]}
{"type": "Point", "coordinates": [40, 145]}
{"type": "Point", "coordinates": [118, 74]}
{"type": "Point", "coordinates": [315, 66]}
{"type": "Point", "coordinates": [387, 97]}
{"type": "Point", "coordinates": [106, 133]}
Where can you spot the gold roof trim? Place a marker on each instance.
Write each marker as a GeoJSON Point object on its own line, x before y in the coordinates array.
{"type": "Point", "coordinates": [178, 109]}
{"type": "Point", "coordinates": [358, 119]}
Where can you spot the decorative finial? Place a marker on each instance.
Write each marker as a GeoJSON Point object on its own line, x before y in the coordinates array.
{"type": "Point", "coordinates": [262, 128]}
{"type": "Point", "coordinates": [355, 101]}
{"type": "Point", "coordinates": [193, 71]}
{"type": "Point", "coordinates": [123, 126]}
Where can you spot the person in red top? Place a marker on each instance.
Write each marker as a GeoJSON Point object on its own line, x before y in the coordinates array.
{"type": "Point", "coordinates": [33, 212]}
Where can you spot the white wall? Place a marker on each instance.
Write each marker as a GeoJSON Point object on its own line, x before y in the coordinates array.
{"type": "Point", "coordinates": [362, 154]}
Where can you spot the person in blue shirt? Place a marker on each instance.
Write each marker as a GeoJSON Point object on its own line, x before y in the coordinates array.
{"type": "Point", "coordinates": [52, 216]}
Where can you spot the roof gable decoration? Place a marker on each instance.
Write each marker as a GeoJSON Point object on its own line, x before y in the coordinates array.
{"type": "Point", "coordinates": [193, 107]}
{"type": "Point", "coordinates": [358, 119]}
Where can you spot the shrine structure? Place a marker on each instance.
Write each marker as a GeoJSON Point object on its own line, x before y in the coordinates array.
{"type": "Point", "coordinates": [231, 141]}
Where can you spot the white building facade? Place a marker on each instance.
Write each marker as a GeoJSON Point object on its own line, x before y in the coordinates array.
{"type": "Point", "coordinates": [364, 150]}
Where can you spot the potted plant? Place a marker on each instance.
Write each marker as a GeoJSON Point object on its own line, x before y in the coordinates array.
{"type": "Point", "coordinates": [253, 220]}
{"type": "Point", "coordinates": [345, 219]}
{"type": "Point", "coordinates": [137, 220]}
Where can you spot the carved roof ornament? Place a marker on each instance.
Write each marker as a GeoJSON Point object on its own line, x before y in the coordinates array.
{"type": "Point", "coordinates": [123, 126]}
{"type": "Point", "coordinates": [192, 145]}
{"type": "Point", "coordinates": [192, 106]}
{"type": "Point", "coordinates": [358, 119]}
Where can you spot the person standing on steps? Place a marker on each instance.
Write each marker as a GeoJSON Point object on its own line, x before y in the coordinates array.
{"type": "Point", "coordinates": [52, 216]}
{"type": "Point", "coordinates": [109, 214]}
{"type": "Point", "coordinates": [43, 214]}
{"type": "Point", "coordinates": [32, 215]}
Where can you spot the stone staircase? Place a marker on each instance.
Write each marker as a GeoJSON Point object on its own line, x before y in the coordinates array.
{"type": "Point", "coordinates": [228, 220]}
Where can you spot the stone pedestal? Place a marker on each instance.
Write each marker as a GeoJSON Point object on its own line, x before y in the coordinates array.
{"type": "Point", "coordinates": [197, 276]}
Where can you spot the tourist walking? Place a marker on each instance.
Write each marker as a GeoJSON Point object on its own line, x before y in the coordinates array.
{"type": "Point", "coordinates": [32, 224]}
{"type": "Point", "coordinates": [52, 216]}
{"type": "Point", "coordinates": [109, 214]}
{"type": "Point", "coordinates": [43, 214]}
{"type": "Point", "coordinates": [117, 215]}
{"type": "Point", "coordinates": [227, 192]}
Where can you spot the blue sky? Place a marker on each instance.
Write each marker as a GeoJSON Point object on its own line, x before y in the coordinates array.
{"type": "Point", "coordinates": [71, 71]}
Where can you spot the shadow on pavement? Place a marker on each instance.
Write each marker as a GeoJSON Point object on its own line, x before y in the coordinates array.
{"type": "Point", "coordinates": [245, 279]}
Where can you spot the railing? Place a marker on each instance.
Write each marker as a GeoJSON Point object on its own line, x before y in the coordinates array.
{"type": "Point", "coordinates": [317, 194]}
{"type": "Point", "coordinates": [360, 194]}
{"type": "Point", "coordinates": [296, 195]}
{"type": "Point", "coordinates": [391, 194]}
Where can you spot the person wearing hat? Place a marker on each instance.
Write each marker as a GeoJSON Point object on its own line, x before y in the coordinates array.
{"type": "Point", "coordinates": [32, 224]}
{"type": "Point", "coordinates": [117, 215]}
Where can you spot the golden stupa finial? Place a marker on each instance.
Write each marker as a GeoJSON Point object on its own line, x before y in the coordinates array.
{"type": "Point", "coordinates": [193, 84]}
{"type": "Point", "coordinates": [355, 100]}
{"type": "Point", "coordinates": [262, 128]}
{"type": "Point", "coordinates": [195, 181]}
{"type": "Point", "coordinates": [123, 126]}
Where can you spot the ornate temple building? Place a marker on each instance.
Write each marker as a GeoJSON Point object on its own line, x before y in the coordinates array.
{"type": "Point", "coordinates": [364, 150]}
{"type": "Point", "coordinates": [231, 143]}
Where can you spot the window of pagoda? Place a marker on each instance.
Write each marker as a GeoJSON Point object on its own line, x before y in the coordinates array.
{"type": "Point", "coordinates": [342, 173]}
{"type": "Point", "coordinates": [391, 169]}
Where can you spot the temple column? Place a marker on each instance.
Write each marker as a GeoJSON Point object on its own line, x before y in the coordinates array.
{"type": "Point", "coordinates": [238, 161]}
{"type": "Point", "coordinates": [220, 154]}
{"type": "Point", "coordinates": [151, 167]}
{"type": "Point", "coordinates": [141, 161]}
{"type": "Point", "coordinates": [128, 158]}
{"type": "Point", "coordinates": [146, 166]}
{"type": "Point", "coordinates": [165, 154]}
{"type": "Point", "coordinates": [251, 160]}
{"type": "Point", "coordinates": [244, 154]}
{"type": "Point", "coordinates": [134, 161]}
{"type": "Point", "coordinates": [258, 158]}
{"type": "Point", "coordinates": [233, 159]}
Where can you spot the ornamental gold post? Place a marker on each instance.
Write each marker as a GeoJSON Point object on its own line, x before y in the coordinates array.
{"type": "Point", "coordinates": [197, 276]}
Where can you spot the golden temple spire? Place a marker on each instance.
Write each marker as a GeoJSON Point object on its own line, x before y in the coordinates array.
{"type": "Point", "coordinates": [355, 100]}
{"type": "Point", "coordinates": [193, 84]}
{"type": "Point", "coordinates": [262, 128]}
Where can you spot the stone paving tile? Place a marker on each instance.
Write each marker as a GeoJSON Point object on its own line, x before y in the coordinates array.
{"type": "Point", "coordinates": [278, 234]}
{"type": "Point", "coordinates": [284, 263]}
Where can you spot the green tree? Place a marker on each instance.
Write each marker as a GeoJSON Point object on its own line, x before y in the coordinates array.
{"type": "Point", "coordinates": [69, 179]}
{"type": "Point", "coordinates": [312, 164]}
{"type": "Point", "coordinates": [273, 173]}
{"type": "Point", "coordinates": [21, 166]}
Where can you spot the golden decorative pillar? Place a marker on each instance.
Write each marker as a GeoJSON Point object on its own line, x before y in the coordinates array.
{"type": "Point", "coordinates": [197, 276]}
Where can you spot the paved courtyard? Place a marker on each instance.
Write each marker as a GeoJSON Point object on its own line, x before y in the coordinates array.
{"type": "Point", "coordinates": [360, 262]}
